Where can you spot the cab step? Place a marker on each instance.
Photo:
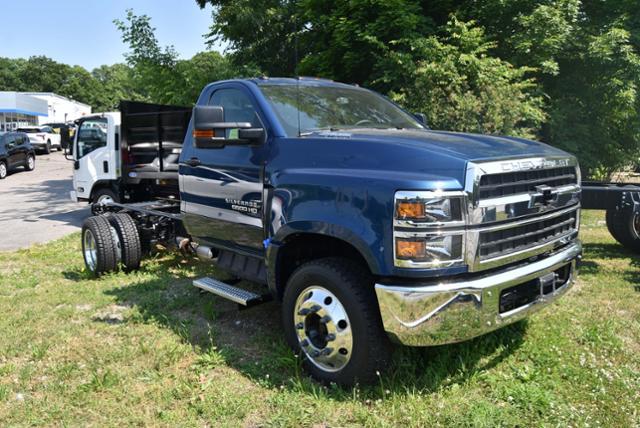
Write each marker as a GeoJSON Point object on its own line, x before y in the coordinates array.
{"type": "Point", "coordinates": [235, 294]}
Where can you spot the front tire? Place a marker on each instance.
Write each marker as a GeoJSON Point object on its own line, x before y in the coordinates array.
{"type": "Point", "coordinates": [331, 318]}
{"type": "Point", "coordinates": [47, 147]}
{"type": "Point", "coordinates": [624, 226]}
{"type": "Point", "coordinates": [102, 195]}
{"type": "Point", "coordinates": [99, 246]}
{"type": "Point", "coordinates": [3, 170]}
{"type": "Point", "coordinates": [129, 240]}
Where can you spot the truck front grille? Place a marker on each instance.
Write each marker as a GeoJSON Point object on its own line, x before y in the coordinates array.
{"type": "Point", "coordinates": [513, 183]}
{"type": "Point", "coordinates": [520, 237]}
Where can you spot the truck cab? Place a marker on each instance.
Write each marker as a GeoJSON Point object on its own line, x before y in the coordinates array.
{"type": "Point", "coordinates": [368, 226]}
{"type": "Point", "coordinates": [130, 155]}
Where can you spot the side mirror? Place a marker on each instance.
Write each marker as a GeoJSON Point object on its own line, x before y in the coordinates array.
{"type": "Point", "coordinates": [210, 129]}
{"type": "Point", "coordinates": [68, 151]}
{"type": "Point", "coordinates": [422, 118]}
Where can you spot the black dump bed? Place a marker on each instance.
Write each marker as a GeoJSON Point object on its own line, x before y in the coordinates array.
{"type": "Point", "coordinates": [151, 138]}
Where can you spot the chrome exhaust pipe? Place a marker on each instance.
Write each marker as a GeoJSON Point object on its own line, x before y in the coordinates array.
{"type": "Point", "coordinates": [205, 253]}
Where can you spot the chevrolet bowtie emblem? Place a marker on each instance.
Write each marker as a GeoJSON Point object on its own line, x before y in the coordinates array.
{"type": "Point", "coordinates": [542, 196]}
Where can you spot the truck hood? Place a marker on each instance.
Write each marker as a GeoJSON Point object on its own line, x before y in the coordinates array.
{"type": "Point", "coordinates": [462, 146]}
{"type": "Point", "coordinates": [391, 160]}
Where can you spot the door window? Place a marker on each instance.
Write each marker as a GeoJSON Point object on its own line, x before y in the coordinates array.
{"type": "Point", "coordinates": [91, 136]}
{"type": "Point", "coordinates": [237, 106]}
{"type": "Point", "coordinates": [10, 141]}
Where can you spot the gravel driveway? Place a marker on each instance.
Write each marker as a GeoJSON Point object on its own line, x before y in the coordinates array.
{"type": "Point", "coordinates": [35, 206]}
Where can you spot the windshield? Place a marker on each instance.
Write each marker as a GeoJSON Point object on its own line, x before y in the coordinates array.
{"type": "Point", "coordinates": [333, 108]}
{"type": "Point", "coordinates": [29, 130]}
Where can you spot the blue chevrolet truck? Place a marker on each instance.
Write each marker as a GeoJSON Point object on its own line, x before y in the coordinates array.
{"type": "Point", "coordinates": [370, 228]}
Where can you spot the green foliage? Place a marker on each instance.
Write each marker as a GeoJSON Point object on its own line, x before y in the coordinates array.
{"type": "Point", "coordinates": [564, 71]}
{"type": "Point", "coordinates": [459, 86]}
{"type": "Point", "coordinates": [158, 73]}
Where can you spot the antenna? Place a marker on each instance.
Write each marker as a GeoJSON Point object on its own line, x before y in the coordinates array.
{"type": "Point", "coordinates": [295, 69]}
{"type": "Point", "coordinates": [298, 102]}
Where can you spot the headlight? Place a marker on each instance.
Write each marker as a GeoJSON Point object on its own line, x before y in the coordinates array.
{"type": "Point", "coordinates": [432, 208]}
{"type": "Point", "coordinates": [429, 229]}
{"type": "Point", "coordinates": [429, 250]}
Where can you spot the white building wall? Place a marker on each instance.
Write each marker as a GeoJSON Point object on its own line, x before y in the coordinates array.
{"type": "Point", "coordinates": [60, 109]}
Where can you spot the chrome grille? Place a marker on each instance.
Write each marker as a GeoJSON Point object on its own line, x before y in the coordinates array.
{"type": "Point", "coordinates": [517, 182]}
{"type": "Point", "coordinates": [520, 208]}
{"type": "Point", "coordinates": [520, 237]}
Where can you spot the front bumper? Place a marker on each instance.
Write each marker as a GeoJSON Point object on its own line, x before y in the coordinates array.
{"type": "Point", "coordinates": [448, 312]}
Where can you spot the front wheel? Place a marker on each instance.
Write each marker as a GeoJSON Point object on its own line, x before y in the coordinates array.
{"type": "Point", "coordinates": [47, 147]}
{"type": "Point", "coordinates": [3, 170]}
{"type": "Point", "coordinates": [331, 318]}
{"type": "Point", "coordinates": [102, 196]}
{"type": "Point", "coordinates": [624, 226]}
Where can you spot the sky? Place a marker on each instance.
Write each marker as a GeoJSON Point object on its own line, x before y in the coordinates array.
{"type": "Point", "coordinates": [81, 32]}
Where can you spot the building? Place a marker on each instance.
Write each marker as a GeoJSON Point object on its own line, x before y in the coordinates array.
{"type": "Point", "coordinates": [17, 109]}
{"type": "Point", "coordinates": [35, 108]}
{"type": "Point", "coordinates": [59, 108]}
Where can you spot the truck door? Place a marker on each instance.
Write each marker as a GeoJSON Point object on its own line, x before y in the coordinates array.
{"type": "Point", "coordinates": [222, 188]}
{"type": "Point", "coordinates": [94, 154]}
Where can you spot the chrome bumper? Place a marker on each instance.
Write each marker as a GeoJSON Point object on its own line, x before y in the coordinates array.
{"type": "Point", "coordinates": [449, 312]}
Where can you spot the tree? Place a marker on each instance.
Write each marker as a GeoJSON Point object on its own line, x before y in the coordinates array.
{"type": "Point", "coordinates": [459, 86]}
{"type": "Point", "coordinates": [262, 34]}
{"type": "Point", "coordinates": [565, 71]}
{"type": "Point", "coordinates": [160, 76]}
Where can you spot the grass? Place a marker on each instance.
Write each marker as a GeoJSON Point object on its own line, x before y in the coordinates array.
{"type": "Point", "coordinates": [148, 349]}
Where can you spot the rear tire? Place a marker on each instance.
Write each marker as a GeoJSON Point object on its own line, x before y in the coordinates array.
{"type": "Point", "coordinates": [130, 246]}
{"type": "Point", "coordinates": [3, 170]}
{"type": "Point", "coordinates": [99, 246]}
{"type": "Point", "coordinates": [331, 318]}
{"type": "Point", "coordinates": [624, 226]}
{"type": "Point", "coordinates": [30, 165]}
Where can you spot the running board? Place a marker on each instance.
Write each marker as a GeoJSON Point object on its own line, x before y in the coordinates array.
{"type": "Point", "coordinates": [229, 292]}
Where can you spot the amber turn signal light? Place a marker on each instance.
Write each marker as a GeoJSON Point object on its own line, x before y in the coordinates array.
{"type": "Point", "coordinates": [410, 249]}
{"type": "Point", "coordinates": [203, 133]}
{"type": "Point", "coordinates": [410, 210]}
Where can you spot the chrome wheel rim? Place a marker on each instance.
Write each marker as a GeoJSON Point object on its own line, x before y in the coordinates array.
{"type": "Point", "coordinates": [31, 162]}
{"type": "Point", "coordinates": [90, 250]}
{"type": "Point", "coordinates": [3, 170]}
{"type": "Point", "coordinates": [323, 329]}
{"type": "Point", "coordinates": [636, 225]}
{"type": "Point", "coordinates": [116, 240]}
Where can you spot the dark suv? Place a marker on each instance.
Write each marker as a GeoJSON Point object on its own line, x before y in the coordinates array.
{"type": "Point", "coordinates": [15, 151]}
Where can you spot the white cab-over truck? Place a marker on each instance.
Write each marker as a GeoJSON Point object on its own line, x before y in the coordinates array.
{"type": "Point", "coordinates": [130, 155]}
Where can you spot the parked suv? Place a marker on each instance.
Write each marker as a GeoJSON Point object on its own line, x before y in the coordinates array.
{"type": "Point", "coordinates": [43, 138]}
{"type": "Point", "coordinates": [15, 151]}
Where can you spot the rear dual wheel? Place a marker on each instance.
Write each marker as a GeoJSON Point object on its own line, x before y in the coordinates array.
{"type": "Point", "coordinates": [108, 241]}
{"type": "Point", "coordinates": [624, 226]}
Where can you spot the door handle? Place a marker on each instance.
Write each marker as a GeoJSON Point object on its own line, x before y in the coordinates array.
{"type": "Point", "coordinates": [193, 162]}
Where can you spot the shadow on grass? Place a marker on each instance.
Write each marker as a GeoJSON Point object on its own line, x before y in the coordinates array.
{"type": "Point", "coordinates": [251, 340]}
